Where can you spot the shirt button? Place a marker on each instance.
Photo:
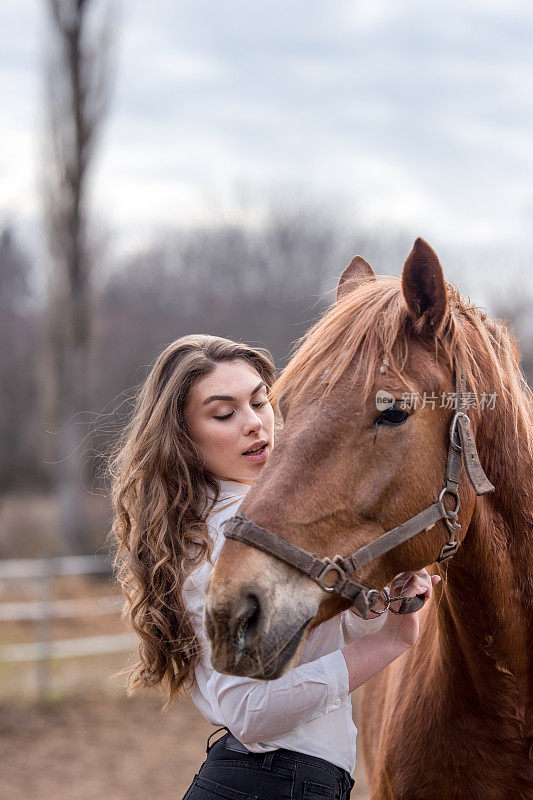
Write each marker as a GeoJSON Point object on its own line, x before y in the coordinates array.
{"type": "Point", "coordinates": [337, 702]}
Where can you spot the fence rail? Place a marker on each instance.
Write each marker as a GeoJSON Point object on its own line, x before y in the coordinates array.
{"type": "Point", "coordinates": [43, 610]}
{"type": "Point", "coordinates": [68, 648]}
{"type": "Point", "coordinates": [62, 565]}
{"type": "Point", "coordinates": [59, 609]}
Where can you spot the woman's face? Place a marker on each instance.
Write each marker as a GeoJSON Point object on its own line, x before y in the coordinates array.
{"type": "Point", "coordinates": [231, 421]}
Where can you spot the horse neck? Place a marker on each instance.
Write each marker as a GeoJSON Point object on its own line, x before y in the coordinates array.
{"type": "Point", "coordinates": [486, 610]}
{"type": "Point", "coordinates": [488, 581]}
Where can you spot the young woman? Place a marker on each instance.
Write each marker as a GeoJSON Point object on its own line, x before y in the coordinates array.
{"type": "Point", "coordinates": [200, 434]}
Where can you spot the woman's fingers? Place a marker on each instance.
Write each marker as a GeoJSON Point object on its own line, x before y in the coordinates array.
{"type": "Point", "coordinates": [411, 583]}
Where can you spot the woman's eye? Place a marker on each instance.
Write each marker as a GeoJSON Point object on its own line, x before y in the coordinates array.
{"type": "Point", "coordinates": [225, 416]}
{"type": "Point", "coordinates": [392, 416]}
{"type": "Point", "coordinates": [258, 405]}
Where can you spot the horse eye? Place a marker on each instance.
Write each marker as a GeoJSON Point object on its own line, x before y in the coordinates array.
{"type": "Point", "coordinates": [392, 416]}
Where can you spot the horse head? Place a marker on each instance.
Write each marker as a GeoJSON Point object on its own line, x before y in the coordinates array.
{"type": "Point", "coordinates": [367, 402]}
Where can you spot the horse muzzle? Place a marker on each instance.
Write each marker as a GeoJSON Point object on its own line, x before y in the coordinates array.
{"type": "Point", "coordinates": [244, 639]}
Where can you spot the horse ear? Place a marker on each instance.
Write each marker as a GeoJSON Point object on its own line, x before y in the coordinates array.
{"type": "Point", "coordinates": [357, 271]}
{"type": "Point", "coordinates": [423, 288]}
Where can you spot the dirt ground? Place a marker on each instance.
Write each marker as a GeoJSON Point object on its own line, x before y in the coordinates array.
{"type": "Point", "coordinates": [95, 747]}
{"type": "Point", "coordinates": [88, 741]}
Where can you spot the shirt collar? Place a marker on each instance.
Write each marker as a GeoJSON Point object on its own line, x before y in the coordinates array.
{"type": "Point", "coordinates": [229, 492]}
{"type": "Point", "coordinates": [229, 489]}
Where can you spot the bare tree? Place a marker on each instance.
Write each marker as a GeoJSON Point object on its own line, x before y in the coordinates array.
{"type": "Point", "coordinates": [77, 94]}
{"type": "Point", "coordinates": [19, 432]}
{"type": "Point", "coordinates": [514, 308]}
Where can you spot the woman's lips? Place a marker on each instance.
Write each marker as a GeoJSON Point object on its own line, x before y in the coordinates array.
{"type": "Point", "coordinates": [260, 455]}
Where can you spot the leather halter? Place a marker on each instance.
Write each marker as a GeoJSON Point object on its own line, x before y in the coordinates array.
{"type": "Point", "coordinates": [331, 574]}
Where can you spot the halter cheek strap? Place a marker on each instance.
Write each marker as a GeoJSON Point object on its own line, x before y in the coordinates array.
{"type": "Point", "coordinates": [331, 574]}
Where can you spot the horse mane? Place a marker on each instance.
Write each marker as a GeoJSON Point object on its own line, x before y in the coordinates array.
{"type": "Point", "coordinates": [372, 322]}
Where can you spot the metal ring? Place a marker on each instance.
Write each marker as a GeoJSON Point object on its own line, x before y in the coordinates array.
{"type": "Point", "coordinates": [387, 600]}
{"type": "Point", "coordinates": [457, 500]}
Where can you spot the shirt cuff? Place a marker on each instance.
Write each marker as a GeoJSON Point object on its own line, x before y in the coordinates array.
{"type": "Point", "coordinates": [337, 678]}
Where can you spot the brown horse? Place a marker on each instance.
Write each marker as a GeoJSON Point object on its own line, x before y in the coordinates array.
{"type": "Point", "coordinates": [452, 717]}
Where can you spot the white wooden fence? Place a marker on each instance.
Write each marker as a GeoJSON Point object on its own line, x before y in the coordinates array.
{"type": "Point", "coordinates": [45, 609]}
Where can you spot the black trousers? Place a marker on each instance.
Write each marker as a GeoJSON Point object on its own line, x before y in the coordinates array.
{"type": "Point", "coordinates": [228, 774]}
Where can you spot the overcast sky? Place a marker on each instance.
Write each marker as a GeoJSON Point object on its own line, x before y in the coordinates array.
{"type": "Point", "coordinates": [413, 114]}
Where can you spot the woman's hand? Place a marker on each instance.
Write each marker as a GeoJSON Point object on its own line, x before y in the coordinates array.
{"type": "Point", "coordinates": [366, 656]}
{"type": "Point", "coordinates": [405, 627]}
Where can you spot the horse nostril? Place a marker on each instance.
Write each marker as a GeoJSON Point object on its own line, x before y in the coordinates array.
{"type": "Point", "coordinates": [249, 608]}
{"type": "Point", "coordinates": [247, 617]}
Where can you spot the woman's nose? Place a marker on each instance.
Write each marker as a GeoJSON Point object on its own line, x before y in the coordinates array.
{"type": "Point", "coordinates": [253, 423]}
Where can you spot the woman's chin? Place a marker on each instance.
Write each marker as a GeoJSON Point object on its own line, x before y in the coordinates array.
{"type": "Point", "coordinates": [247, 475]}
{"type": "Point", "coordinates": [249, 472]}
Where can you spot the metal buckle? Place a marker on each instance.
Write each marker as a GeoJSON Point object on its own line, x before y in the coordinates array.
{"type": "Point", "coordinates": [450, 548]}
{"type": "Point", "coordinates": [447, 551]}
{"type": "Point", "coordinates": [453, 429]}
{"type": "Point", "coordinates": [452, 525]}
{"type": "Point", "coordinates": [329, 564]}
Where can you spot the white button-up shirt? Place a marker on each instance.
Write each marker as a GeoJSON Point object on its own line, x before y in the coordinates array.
{"type": "Point", "coordinates": [309, 708]}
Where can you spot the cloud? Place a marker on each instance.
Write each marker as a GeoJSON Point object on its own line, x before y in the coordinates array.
{"type": "Point", "coordinates": [419, 113]}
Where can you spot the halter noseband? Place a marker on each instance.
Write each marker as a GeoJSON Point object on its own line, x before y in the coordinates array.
{"type": "Point", "coordinates": [331, 574]}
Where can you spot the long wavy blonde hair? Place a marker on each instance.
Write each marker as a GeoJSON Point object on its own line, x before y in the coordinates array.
{"type": "Point", "coordinates": [160, 491]}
